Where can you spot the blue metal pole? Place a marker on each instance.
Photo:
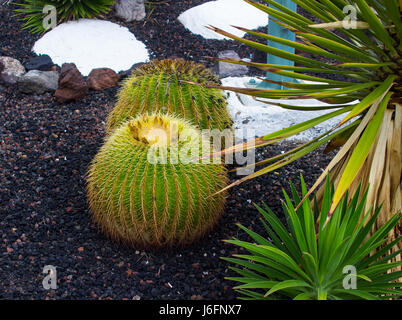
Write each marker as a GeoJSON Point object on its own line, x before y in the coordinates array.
{"type": "Point", "coordinates": [276, 30]}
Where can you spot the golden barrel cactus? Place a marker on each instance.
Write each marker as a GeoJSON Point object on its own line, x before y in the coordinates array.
{"type": "Point", "coordinates": [147, 188]}
{"type": "Point", "coordinates": [158, 87]}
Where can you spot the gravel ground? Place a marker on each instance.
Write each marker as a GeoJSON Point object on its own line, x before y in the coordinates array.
{"type": "Point", "coordinates": [45, 150]}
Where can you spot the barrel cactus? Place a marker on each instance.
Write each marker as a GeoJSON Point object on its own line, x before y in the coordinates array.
{"type": "Point", "coordinates": [158, 87]}
{"type": "Point", "coordinates": [142, 195]}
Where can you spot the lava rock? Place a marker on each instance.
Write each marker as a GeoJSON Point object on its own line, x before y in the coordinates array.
{"type": "Point", "coordinates": [44, 158]}
{"type": "Point", "coordinates": [230, 69]}
{"type": "Point", "coordinates": [130, 10]}
{"type": "Point", "coordinates": [10, 70]}
{"type": "Point", "coordinates": [42, 63]}
{"type": "Point", "coordinates": [38, 82]}
{"type": "Point", "coordinates": [102, 78]}
{"type": "Point", "coordinates": [72, 84]}
{"type": "Point", "coordinates": [126, 73]}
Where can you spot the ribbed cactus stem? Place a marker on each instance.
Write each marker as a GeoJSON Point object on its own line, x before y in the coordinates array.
{"type": "Point", "coordinates": [159, 87]}
{"type": "Point", "coordinates": [150, 204]}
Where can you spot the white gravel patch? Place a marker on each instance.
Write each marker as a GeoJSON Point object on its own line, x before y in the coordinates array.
{"type": "Point", "coordinates": [253, 118]}
{"type": "Point", "coordinates": [92, 43]}
{"type": "Point", "coordinates": [223, 14]}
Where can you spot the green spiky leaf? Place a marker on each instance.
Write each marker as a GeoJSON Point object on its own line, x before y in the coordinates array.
{"type": "Point", "coordinates": [318, 258]}
{"type": "Point", "coordinates": [31, 11]}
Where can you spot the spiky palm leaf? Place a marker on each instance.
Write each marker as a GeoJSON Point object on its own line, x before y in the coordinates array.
{"type": "Point", "coordinates": [32, 11]}
{"type": "Point", "coordinates": [369, 59]}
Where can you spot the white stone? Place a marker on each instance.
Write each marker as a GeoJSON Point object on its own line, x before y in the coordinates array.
{"type": "Point", "coordinates": [223, 14]}
{"type": "Point", "coordinates": [91, 44]}
{"type": "Point", "coordinates": [253, 118]}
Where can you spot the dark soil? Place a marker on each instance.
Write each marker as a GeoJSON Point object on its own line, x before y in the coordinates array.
{"type": "Point", "coordinates": [45, 150]}
{"type": "Point", "coordinates": [162, 33]}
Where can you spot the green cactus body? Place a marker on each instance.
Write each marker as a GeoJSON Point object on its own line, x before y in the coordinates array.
{"type": "Point", "coordinates": [158, 87]}
{"type": "Point", "coordinates": [143, 202]}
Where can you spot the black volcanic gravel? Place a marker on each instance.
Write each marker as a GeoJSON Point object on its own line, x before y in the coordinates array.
{"type": "Point", "coordinates": [45, 150]}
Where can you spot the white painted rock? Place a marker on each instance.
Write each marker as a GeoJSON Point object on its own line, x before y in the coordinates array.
{"type": "Point", "coordinates": [223, 14]}
{"type": "Point", "coordinates": [92, 44]}
{"type": "Point", "coordinates": [255, 119]}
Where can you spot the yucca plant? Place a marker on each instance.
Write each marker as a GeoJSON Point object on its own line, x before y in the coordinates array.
{"type": "Point", "coordinates": [33, 16]}
{"type": "Point", "coordinates": [315, 258]}
{"type": "Point", "coordinates": [144, 189]}
{"type": "Point", "coordinates": [368, 58]}
{"type": "Point", "coordinates": [158, 87]}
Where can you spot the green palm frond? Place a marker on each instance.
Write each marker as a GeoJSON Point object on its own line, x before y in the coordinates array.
{"type": "Point", "coordinates": [369, 60]}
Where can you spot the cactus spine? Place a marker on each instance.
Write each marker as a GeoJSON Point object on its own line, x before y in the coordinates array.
{"type": "Point", "coordinates": [158, 87]}
{"type": "Point", "coordinates": [141, 202]}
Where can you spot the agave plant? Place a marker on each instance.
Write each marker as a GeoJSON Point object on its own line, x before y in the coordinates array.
{"type": "Point", "coordinates": [318, 259]}
{"type": "Point", "coordinates": [369, 94]}
{"type": "Point", "coordinates": [144, 190]}
{"type": "Point", "coordinates": [33, 15]}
